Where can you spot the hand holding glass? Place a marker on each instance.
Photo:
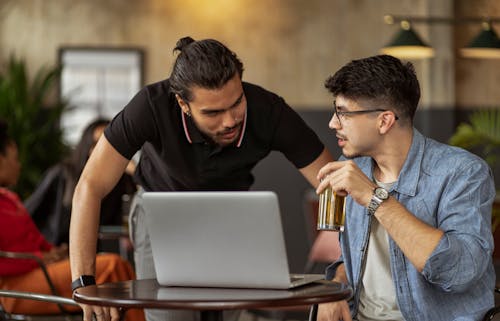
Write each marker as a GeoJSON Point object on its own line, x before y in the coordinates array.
{"type": "Point", "coordinates": [331, 211]}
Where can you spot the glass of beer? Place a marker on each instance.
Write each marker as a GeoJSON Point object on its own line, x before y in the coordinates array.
{"type": "Point", "coordinates": [331, 211]}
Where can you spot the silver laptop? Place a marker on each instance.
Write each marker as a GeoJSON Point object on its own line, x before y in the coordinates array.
{"type": "Point", "coordinates": [219, 239]}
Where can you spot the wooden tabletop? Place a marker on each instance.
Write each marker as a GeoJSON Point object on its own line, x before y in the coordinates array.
{"type": "Point", "coordinates": [148, 294]}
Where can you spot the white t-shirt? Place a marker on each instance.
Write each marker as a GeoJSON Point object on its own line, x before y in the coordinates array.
{"type": "Point", "coordinates": [378, 298]}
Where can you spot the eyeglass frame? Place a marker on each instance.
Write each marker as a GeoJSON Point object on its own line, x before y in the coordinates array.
{"type": "Point", "coordinates": [356, 112]}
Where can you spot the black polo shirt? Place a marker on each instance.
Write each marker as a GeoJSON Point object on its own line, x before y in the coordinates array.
{"type": "Point", "coordinates": [176, 157]}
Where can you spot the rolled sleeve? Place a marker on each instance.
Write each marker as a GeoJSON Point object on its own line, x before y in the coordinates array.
{"type": "Point", "coordinates": [455, 264]}
{"type": "Point", "coordinates": [462, 255]}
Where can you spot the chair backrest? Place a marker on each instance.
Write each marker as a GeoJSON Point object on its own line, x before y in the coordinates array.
{"type": "Point", "coordinates": [37, 297]}
{"type": "Point", "coordinates": [54, 297]}
{"type": "Point", "coordinates": [326, 247]}
{"type": "Point", "coordinates": [60, 301]}
{"type": "Point", "coordinates": [493, 313]}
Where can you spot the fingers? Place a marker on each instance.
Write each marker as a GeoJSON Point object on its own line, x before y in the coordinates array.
{"type": "Point", "coordinates": [329, 168]}
{"type": "Point", "coordinates": [115, 314]}
{"type": "Point", "coordinates": [333, 175]}
{"type": "Point", "coordinates": [106, 316]}
{"type": "Point", "coordinates": [346, 314]}
{"type": "Point", "coordinates": [345, 177]}
{"type": "Point", "coordinates": [324, 175]}
{"type": "Point", "coordinates": [87, 312]}
{"type": "Point", "coordinates": [98, 313]}
{"type": "Point", "coordinates": [334, 311]}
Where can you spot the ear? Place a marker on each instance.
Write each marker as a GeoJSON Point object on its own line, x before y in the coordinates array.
{"type": "Point", "coordinates": [183, 105]}
{"type": "Point", "coordinates": [387, 119]}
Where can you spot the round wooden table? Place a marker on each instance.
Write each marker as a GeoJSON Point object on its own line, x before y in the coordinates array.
{"type": "Point", "coordinates": [209, 301]}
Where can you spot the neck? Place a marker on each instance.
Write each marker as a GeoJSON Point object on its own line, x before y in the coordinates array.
{"type": "Point", "coordinates": [392, 155]}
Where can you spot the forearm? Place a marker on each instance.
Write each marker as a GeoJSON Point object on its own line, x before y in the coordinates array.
{"type": "Point", "coordinates": [83, 231]}
{"type": "Point", "coordinates": [415, 238]}
{"type": "Point", "coordinates": [310, 172]}
{"type": "Point", "coordinates": [101, 173]}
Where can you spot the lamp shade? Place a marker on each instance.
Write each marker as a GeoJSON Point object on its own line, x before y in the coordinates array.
{"type": "Point", "coordinates": [485, 45]}
{"type": "Point", "coordinates": [407, 44]}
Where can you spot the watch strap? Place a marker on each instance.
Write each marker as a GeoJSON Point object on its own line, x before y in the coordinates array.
{"type": "Point", "coordinates": [374, 204]}
{"type": "Point", "coordinates": [82, 281]}
{"type": "Point", "coordinates": [376, 200]}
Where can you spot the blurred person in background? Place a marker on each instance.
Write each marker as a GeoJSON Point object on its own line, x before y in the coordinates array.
{"type": "Point", "coordinates": [18, 233]}
{"type": "Point", "coordinates": [50, 203]}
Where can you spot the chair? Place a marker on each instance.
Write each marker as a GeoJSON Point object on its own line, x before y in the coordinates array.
{"type": "Point", "coordinates": [493, 313]}
{"type": "Point", "coordinates": [54, 297]}
{"type": "Point", "coordinates": [115, 239]}
{"type": "Point", "coordinates": [60, 301]}
{"type": "Point", "coordinates": [324, 249]}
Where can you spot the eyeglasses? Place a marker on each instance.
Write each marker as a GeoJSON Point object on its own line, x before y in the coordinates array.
{"type": "Point", "coordinates": [341, 114]}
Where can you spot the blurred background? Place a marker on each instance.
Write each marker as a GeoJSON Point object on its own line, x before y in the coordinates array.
{"type": "Point", "coordinates": [287, 46]}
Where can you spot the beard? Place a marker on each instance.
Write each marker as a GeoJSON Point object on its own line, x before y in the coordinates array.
{"type": "Point", "coordinates": [218, 138]}
{"type": "Point", "coordinates": [351, 155]}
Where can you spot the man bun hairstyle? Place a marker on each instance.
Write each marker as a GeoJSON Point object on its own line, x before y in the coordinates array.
{"type": "Point", "coordinates": [182, 43]}
{"type": "Point", "coordinates": [384, 79]}
{"type": "Point", "coordinates": [204, 63]}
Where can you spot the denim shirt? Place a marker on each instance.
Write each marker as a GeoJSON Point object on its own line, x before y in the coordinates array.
{"type": "Point", "coordinates": [452, 190]}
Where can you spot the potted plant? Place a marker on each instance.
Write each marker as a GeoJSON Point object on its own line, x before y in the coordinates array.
{"type": "Point", "coordinates": [482, 136]}
{"type": "Point", "coordinates": [33, 115]}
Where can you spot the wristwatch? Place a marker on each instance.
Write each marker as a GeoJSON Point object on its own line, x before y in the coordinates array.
{"type": "Point", "coordinates": [379, 195]}
{"type": "Point", "coordinates": [82, 281]}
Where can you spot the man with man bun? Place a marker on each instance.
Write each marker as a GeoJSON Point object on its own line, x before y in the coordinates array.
{"type": "Point", "coordinates": [202, 129]}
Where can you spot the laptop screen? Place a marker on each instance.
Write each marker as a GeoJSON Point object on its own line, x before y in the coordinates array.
{"type": "Point", "coordinates": [217, 239]}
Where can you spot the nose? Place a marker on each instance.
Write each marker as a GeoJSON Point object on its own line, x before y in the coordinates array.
{"type": "Point", "coordinates": [229, 119]}
{"type": "Point", "coordinates": [334, 122]}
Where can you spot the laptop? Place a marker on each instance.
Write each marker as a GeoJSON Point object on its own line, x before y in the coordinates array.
{"type": "Point", "coordinates": [219, 239]}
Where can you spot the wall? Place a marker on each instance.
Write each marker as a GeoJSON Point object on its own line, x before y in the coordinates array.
{"type": "Point", "coordinates": [477, 80]}
{"type": "Point", "coordinates": [288, 46]}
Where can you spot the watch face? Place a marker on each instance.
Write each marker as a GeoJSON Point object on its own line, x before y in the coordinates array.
{"type": "Point", "coordinates": [381, 193]}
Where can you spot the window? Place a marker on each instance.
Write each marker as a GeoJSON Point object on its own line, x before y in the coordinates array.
{"type": "Point", "coordinates": [97, 82]}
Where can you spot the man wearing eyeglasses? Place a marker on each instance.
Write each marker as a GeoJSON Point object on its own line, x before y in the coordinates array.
{"type": "Point", "coordinates": [417, 243]}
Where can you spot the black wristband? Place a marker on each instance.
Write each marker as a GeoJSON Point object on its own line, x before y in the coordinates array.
{"type": "Point", "coordinates": [82, 281]}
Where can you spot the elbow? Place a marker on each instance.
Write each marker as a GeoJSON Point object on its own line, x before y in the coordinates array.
{"type": "Point", "coordinates": [86, 188]}
{"type": "Point", "coordinates": [454, 281]}
{"type": "Point", "coordinates": [459, 275]}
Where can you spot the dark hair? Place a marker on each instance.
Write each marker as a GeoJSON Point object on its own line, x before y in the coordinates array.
{"type": "Point", "coordinates": [204, 63]}
{"type": "Point", "coordinates": [383, 78]}
{"type": "Point", "coordinates": [78, 158]}
{"type": "Point", "coordinates": [5, 139]}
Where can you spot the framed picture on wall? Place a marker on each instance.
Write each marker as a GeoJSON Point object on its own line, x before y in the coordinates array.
{"type": "Point", "coordinates": [98, 83]}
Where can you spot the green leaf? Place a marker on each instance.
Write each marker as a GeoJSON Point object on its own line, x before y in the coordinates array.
{"type": "Point", "coordinates": [481, 136]}
{"type": "Point", "coordinates": [33, 115]}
